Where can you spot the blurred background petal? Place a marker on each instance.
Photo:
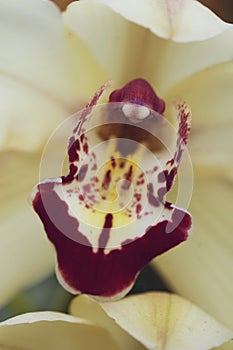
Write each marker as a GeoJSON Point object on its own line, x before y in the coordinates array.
{"type": "Point", "coordinates": [53, 331]}
{"type": "Point", "coordinates": [167, 321]}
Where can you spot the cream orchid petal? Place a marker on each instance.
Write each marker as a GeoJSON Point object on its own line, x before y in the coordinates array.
{"type": "Point", "coordinates": [166, 63]}
{"type": "Point", "coordinates": [52, 330]}
{"type": "Point", "coordinates": [125, 49]}
{"type": "Point", "coordinates": [163, 321]}
{"type": "Point", "coordinates": [25, 256]}
{"type": "Point", "coordinates": [88, 309]}
{"type": "Point", "coordinates": [107, 35]}
{"type": "Point", "coordinates": [39, 86]}
{"type": "Point", "coordinates": [181, 21]}
{"type": "Point", "coordinates": [202, 271]}
{"type": "Point", "coordinates": [210, 92]}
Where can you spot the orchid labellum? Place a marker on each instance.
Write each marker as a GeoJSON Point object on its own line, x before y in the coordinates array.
{"type": "Point", "coordinates": [108, 217]}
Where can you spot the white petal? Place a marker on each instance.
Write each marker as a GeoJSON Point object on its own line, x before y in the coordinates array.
{"type": "Point", "coordinates": [202, 270]}
{"type": "Point", "coordinates": [41, 79]}
{"type": "Point", "coordinates": [184, 20]}
{"type": "Point", "coordinates": [52, 330]}
{"type": "Point", "coordinates": [164, 321]}
{"type": "Point", "coordinates": [86, 308]}
{"type": "Point", "coordinates": [126, 50]}
{"type": "Point", "coordinates": [107, 36]}
{"type": "Point", "coordinates": [25, 254]}
{"type": "Point", "coordinates": [209, 93]}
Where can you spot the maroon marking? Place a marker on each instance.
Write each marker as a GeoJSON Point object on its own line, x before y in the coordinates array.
{"type": "Point", "coordinates": [138, 196]}
{"type": "Point", "coordinates": [128, 175]}
{"type": "Point", "coordinates": [161, 193]}
{"type": "Point", "coordinates": [170, 177]}
{"type": "Point", "coordinates": [104, 236]}
{"type": "Point", "coordinates": [98, 273]}
{"type": "Point", "coordinates": [113, 162]}
{"type": "Point", "coordinates": [73, 148]}
{"type": "Point", "coordinates": [140, 92]}
{"type": "Point", "coordinates": [94, 167]}
{"type": "Point", "coordinates": [109, 274]}
{"type": "Point", "coordinates": [140, 182]}
{"type": "Point", "coordinates": [70, 177]}
{"type": "Point", "coordinates": [87, 188]}
{"type": "Point", "coordinates": [122, 164]}
{"type": "Point", "coordinates": [85, 148]}
{"type": "Point", "coordinates": [126, 184]}
{"type": "Point", "coordinates": [138, 208]}
{"type": "Point", "coordinates": [179, 155]}
{"type": "Point", "coordinates": [107, 180]}
{"type": "Point", "coordinates": [82, 172]}
{"type": "Point", "coordinates": [151, 198]}
{"type": "Point", "coordinates": [184, 127]}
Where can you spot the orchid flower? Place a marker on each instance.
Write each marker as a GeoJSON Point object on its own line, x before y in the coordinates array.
{"type": "Point", "coordinates": [108, 217]}
{"type": "Point", "coordinates": [183, 50]}
{"type": "Point", "coordinates": [73, 54]}
{"type": "Point", "coordinates": [158, 321]}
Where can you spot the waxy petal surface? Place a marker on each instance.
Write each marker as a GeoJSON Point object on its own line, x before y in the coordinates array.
{"type": "Point", "coordinates": [20, 232]}
{"type": "Point", "coordinates": [90, 310]}
{"type": "Point", "coordinates": [209, 253]}
{"type": "Point", "coordinates": [53, 331]}
{"type": "Point", "coordinates": [180, 20]}
{"type": "Point", "coordinates": [125, 47]}
{"type": "Point", "coordinates": [210, 92]}
{"type": "Point", "coordinates": [157, 320]}
{"type": "Point", "coordinates": [40, 74]}
{"type": "Point", "coordinates": [162, 321]}
{"type": "Point", "coordinates": [108, 217]}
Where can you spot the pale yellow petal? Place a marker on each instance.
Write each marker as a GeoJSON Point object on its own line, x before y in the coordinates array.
{"type": "Point", "coordinates": [166, 63]}
{"type": "Point", "coordinates": [107, 35]}
{"type": "Point", "coordinates": [42, 78]}
{"type": "Point", "coordinates": [181, 21]}
{"type": "Point", "coordinates": [84, 307]}
{"type": "Point", "coordinates": [52, 331]}
{"type": "Point", "coordinates": [209, 93]}
{"type": "Point", "coordinates": [163, 321]}
{"type": "Point", "coordinates": [25, 254]}
{"type": "Point", "coordinates": [126, 50]}
{"type": "Point", "coordinates": [202, 270]}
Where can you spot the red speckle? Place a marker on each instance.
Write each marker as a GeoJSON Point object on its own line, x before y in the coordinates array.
{"type": "Point", "coordinates": [85, 148]}
{"type": "Point", "coordinates": [138, 208]}
{"type": "Point", "coordinates": [128, 175]}
{"type": "Point", "coordinates": [138, 196]}
{"type": "Point", "coordinates": [104, 236]}
{"type": "Point", "coordinates": [87, 188]}
{"type": "Point", "coordinates": [107, 180]}
{"type": "Point", "coordinates": [140, 182]}
{"type": "Point", "coordinates": [94, 167]}
{"type": "Point", "coordinates": [113, 162]}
